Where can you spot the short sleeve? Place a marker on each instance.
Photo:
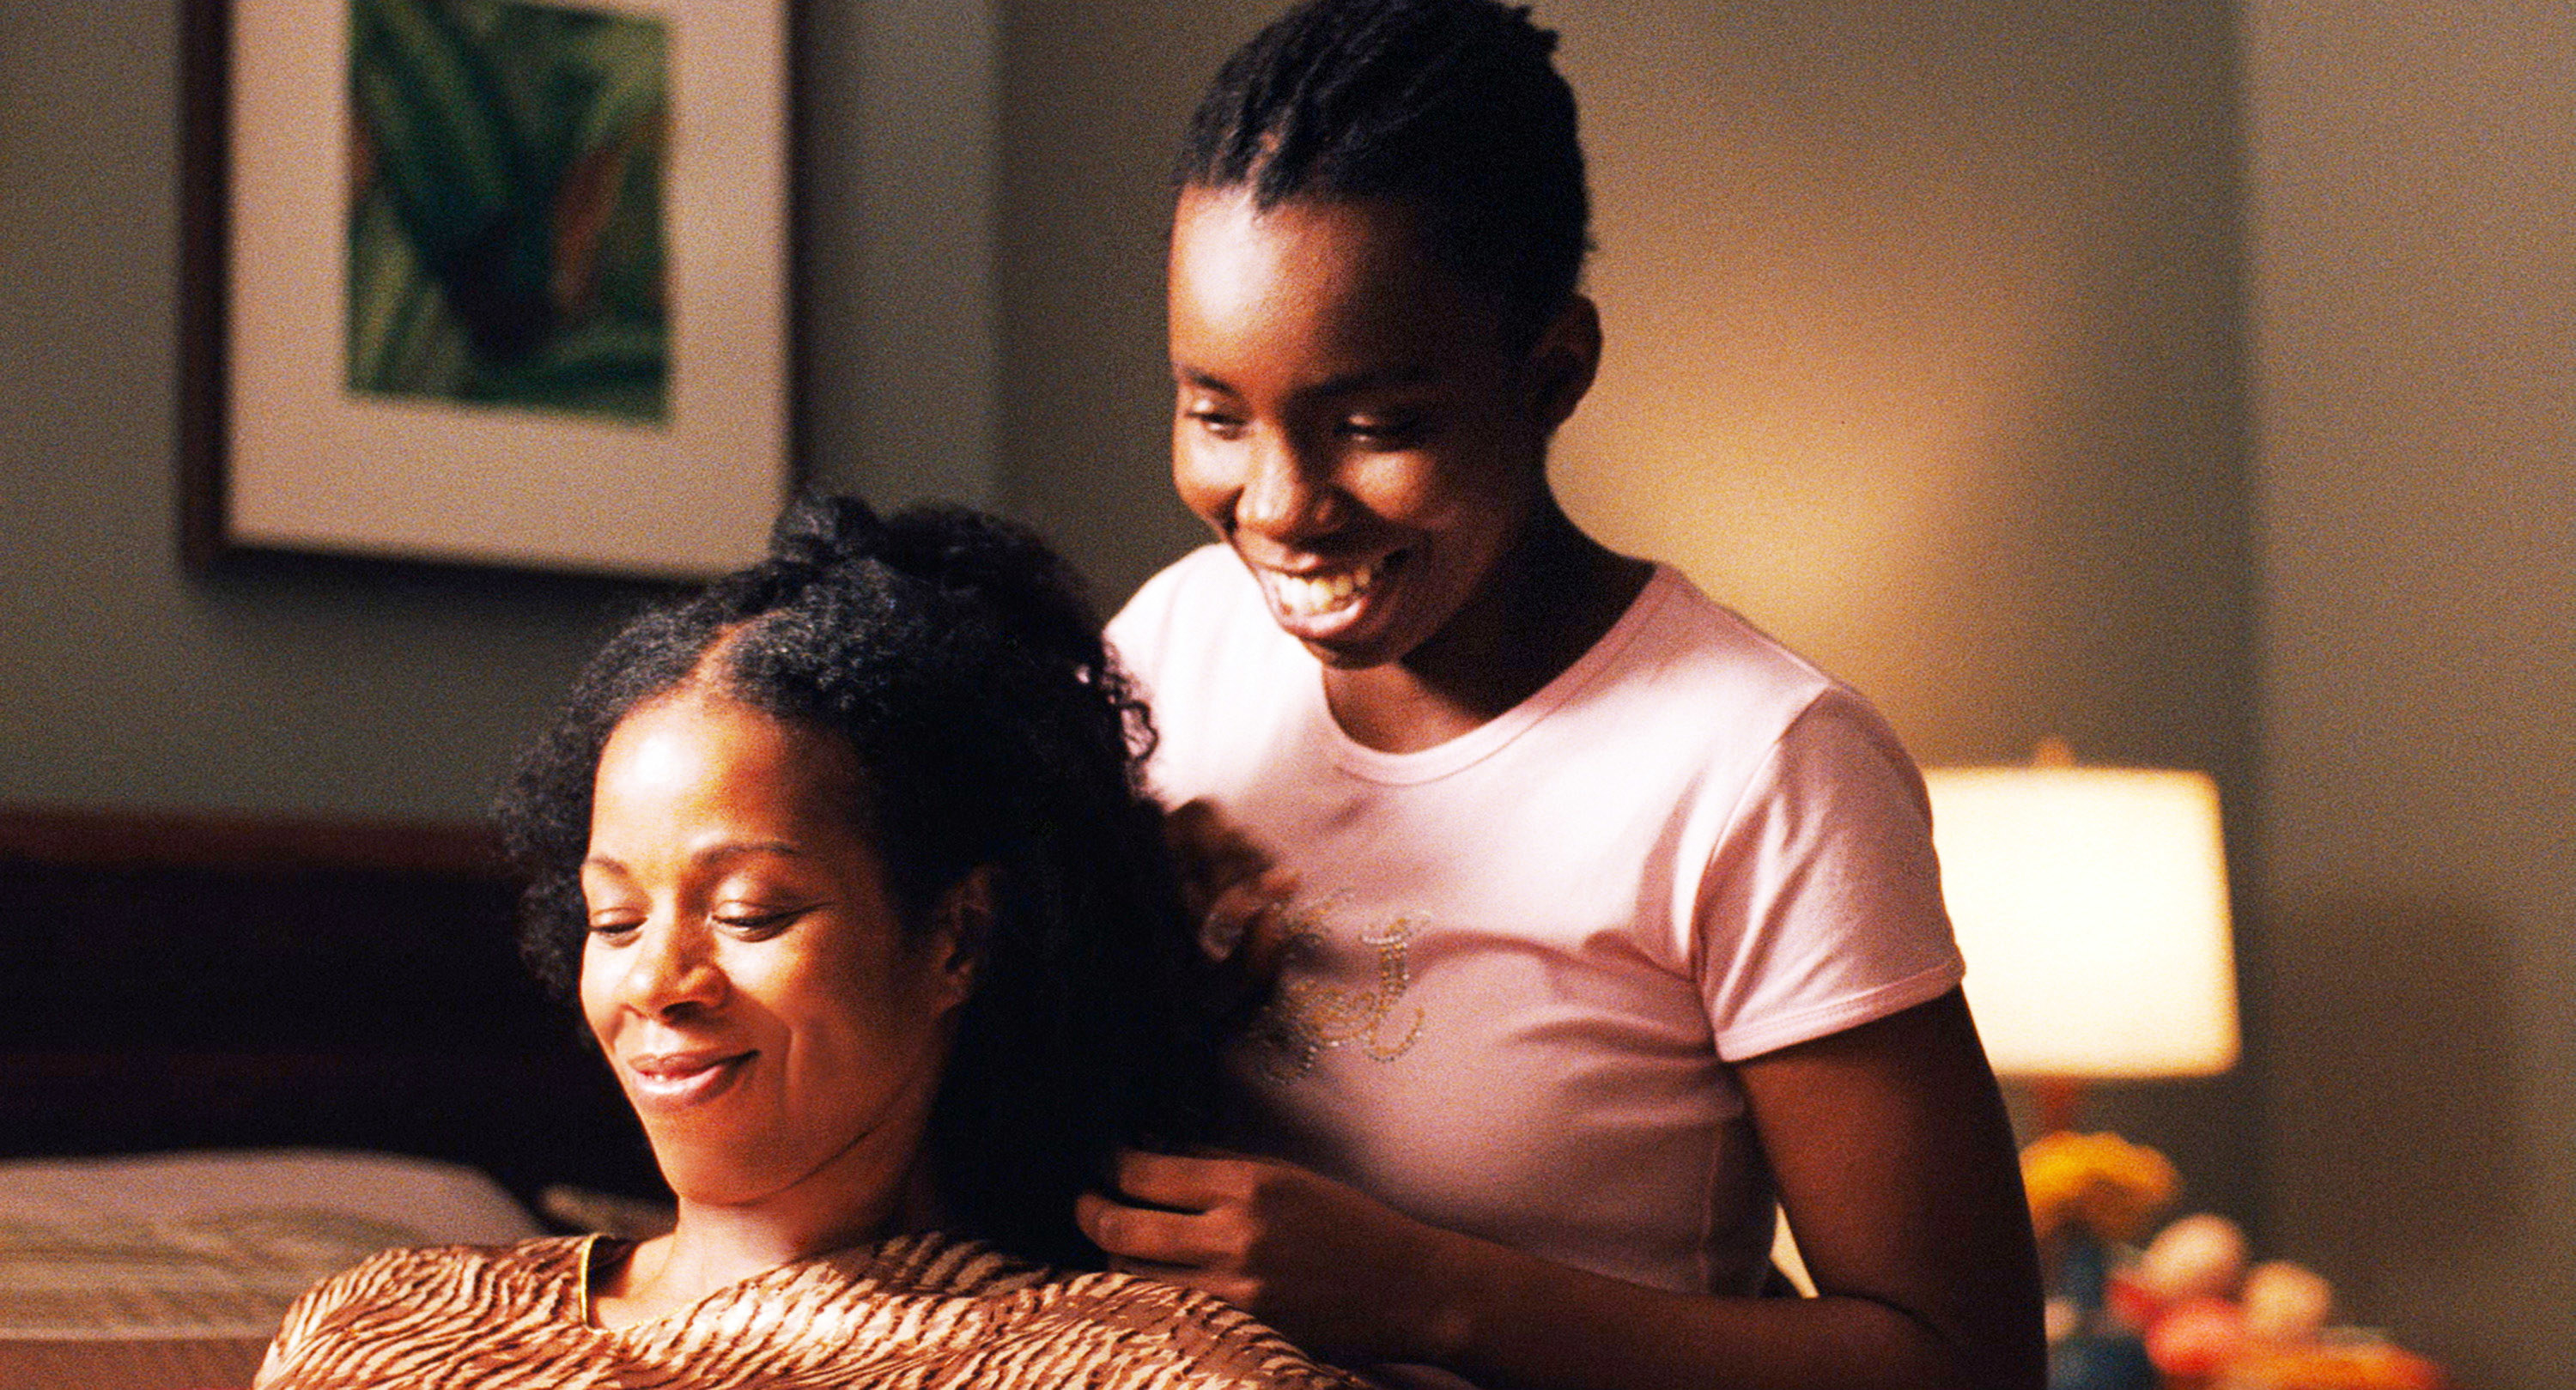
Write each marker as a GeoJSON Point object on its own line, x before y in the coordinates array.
{"type": "Point", "coordinates": [1820, 908]}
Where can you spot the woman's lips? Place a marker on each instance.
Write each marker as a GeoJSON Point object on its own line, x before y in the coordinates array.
{"type": "Point", "coordinates": [670, 1080]}
{"type": "Point", "coordinates": [1316, 602]}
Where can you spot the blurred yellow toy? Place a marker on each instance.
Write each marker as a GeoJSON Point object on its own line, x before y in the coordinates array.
{"type": "Point", "coordinates": [2101, 1182]}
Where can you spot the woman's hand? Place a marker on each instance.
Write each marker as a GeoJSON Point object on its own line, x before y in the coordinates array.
{"type": "Point", "coordinates": [1236, 893]}
{"type": "Point", "coordinates": [1893, 1159]}
{"type": "Point", "coordinates": [1337, 1272]}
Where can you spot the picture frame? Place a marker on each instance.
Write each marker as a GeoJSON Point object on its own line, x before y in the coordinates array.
{"type": "Point", "coordinates": [487, 282]}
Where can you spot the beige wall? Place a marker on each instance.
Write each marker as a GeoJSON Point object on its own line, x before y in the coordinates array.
{"type": "Point", "coordinates": [1922, 352]}
{"type": "Point", "coordinates": [1093, 99]}
{"type": "Point", "coordinates": [2414, 238]}
{"type": "Point", "coordinates": [898, 345]}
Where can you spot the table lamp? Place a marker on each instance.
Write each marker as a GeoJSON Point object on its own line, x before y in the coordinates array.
{"type": "Point", "coordinates": [2091, 905]}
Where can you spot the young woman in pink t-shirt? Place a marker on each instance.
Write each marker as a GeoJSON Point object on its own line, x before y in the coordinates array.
{"type": "Point", "coordinates": [1604, 920]}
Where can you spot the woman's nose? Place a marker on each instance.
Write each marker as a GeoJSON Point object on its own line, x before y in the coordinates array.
{"type": "Point", "coordinates": [672, 973]}
{"type": "Point", "coordinates": [1289, 495]}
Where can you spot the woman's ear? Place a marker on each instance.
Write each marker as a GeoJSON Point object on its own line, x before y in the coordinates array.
{"type": "Point", "coordinates": [1561, 364]}
{"type": "Point", "coordinates": [960, 926]}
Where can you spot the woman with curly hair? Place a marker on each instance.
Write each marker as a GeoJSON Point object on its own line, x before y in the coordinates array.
{"type": "Point", "coordinates": [847, 863]}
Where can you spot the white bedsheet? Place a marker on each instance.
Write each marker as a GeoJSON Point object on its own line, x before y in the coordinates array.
{"type": "Point", "coordinates": [135, 1269]}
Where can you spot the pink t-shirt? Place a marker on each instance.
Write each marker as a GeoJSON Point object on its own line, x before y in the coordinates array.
{"type": "Point", "coordinates": [1523, 958]}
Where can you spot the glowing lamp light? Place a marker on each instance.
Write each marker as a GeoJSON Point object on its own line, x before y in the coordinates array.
{"type": "Point", "coordinates": [2091, 904]}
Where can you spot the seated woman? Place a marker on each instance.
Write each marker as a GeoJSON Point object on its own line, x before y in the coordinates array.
{"type": "Point", "coordinates": [847, 861]}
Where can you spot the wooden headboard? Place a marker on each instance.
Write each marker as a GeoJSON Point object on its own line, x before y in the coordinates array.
{"type": "Point", "coordinates": [194, 981]}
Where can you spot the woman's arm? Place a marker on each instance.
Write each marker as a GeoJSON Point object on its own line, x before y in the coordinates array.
{"type": "Point", "coordinates": [1895, 1165]}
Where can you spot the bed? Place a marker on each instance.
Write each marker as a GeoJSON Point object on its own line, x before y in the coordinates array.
{"type": "Point", "coordinates": [173, 1269]}
{"type": "Point", "coordinates": [242, 1052]}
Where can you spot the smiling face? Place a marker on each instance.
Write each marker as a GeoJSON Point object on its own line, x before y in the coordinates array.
{"type": "Point", "coordinates": [1351, 418]}
{"type": "Point", "coordinates": [745, 971]}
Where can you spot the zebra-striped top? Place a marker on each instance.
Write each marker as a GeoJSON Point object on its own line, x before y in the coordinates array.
{"type": "Point", "coordinates": [917, 1312]}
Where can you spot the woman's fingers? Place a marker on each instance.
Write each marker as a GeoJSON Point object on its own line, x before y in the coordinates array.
{"type": "Point", "coordinates": [1248, 925]}
{"type": "Point", "coordinates": [1188, 1182]}
{"type": "Point", "coordinates": [1128, 1233]}
{"type": "Point", "coordinates": [1214, 854]}
{"type": "Point", "coordinates": [1230, 925]}
{"type": "Point", "coordinates": [1263, 940]}
{"type": "Point", "coordinates": [1172, 1242]}
{"type": "Point", "coordinates": [1213, 1242]}
{"type": "Point", "coordinates": [1338, 1272]}
{"type": "Point", "coordinates": [1196, 1213]}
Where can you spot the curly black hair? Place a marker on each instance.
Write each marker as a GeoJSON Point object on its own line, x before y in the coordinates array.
{"type": "Point", "coordinates": [1454, 106]}
{"type": "Point", "coordinates": [961, 661]}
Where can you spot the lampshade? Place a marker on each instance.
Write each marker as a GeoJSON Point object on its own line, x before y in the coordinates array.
{"type": "Point", "coordinates": [2091, 904]}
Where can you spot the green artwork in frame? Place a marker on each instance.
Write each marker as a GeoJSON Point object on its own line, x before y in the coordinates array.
{"type": "Point", "coordinates": [506, 232]}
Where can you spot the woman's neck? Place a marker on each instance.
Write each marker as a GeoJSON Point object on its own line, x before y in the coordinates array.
{"type": "Point", "coordinates": [1553, 596]}
{"type": "Point", "coordinates": [712, 1247]}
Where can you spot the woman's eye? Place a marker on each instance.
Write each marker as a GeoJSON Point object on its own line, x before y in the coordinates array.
{"type": "Point", "coordinates": [1215, 422]}
{"type": "Point", "coordinates": [757, 922]}
{"type": "Point", "coordinates": [615, 930]}
{"type": "Point", "coordinates": [1385, 431]}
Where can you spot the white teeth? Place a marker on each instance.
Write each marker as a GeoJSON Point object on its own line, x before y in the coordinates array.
{"type": "Point", "coordinates": [1306, 597]}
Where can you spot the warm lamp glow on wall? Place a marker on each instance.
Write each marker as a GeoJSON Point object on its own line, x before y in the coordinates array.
{"type": "Point", "coordinates": [2091, 904]}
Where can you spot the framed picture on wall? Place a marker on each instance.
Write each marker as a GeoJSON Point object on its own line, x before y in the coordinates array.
{"type": "Point", "coordinates": [496, 282]}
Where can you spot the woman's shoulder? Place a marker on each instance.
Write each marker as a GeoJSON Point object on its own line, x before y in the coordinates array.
{"type": "Point", "coordinates": [441, 1275]}
{"type": "Point", "coordinates": [397, 1300]}
{"type": "Point", "coordinates": [1679, 620]}
{"type": "Point", "coordinates": [1207, 657]}
{"type": "Point", "coordinates": [1209, 1341]}
{"type": "Point", "coordinates": [1681, 670]}
{"type": "Point", "coordinates": [1042, 1326]}
{"type": "Point", "coordinates": [1203, 592]}
{"type": "Point", "coordinates": [1205, 568]}
{"type": "Point", "coordinates": [539, 1257]}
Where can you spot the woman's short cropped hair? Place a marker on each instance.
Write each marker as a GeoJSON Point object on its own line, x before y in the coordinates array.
{"type": "Point", "coordinates": [961, 661]}
{"type": "Point", "coordinates": [1455, 106]}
